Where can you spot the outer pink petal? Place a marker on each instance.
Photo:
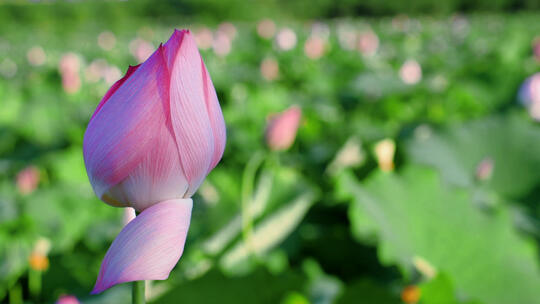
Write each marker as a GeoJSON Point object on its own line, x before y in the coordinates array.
{"type": "Point", "coordinates": [115, 87]}
{"type": "Point", "coordinates": [189, 114]}
{"type": "Point", "coordinates": [158, 176]}
{"type": "Point", "coordinates": [148, 247]}
{"type": "Point", "coordinates": [125, 127]}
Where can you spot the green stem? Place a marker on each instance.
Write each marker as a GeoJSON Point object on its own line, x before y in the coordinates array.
{"type": "Point", "coordinates": [15, 295]}
{"type": "Point", "coordinates": [248, 179]}
{"type": "Point", "coordinates": [138, 292]}
{"type": "Point", "coordinates": [34, 283]}
{"type": "Point", "coordinates": [138, 289]}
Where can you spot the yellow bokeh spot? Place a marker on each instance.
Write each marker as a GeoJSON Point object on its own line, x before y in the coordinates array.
{"type": "Point", "coordinates": [410, 294]}
{"type": "Point", "coordinates": [38, 262]}
{"type": "Point", "coordinates": [384, 152]}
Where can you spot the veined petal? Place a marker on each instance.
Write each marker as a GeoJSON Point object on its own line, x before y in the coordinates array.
{"type": "Point", "coordinates": [148, 247]}
{"type": "Point", "coordinates": [158, 176]}
{"type": "Point", "coordinates": [115, 87]}
{"type": "Point", "coordinates": [189, 114]}
{"type": "Point", "coordinates": [124, 129]}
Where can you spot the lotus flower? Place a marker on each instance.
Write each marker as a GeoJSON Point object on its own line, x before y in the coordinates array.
{"type": "Point", "coordinates": [282, 128]}
{"type": "Point", "coordinates": [152, 140]}
{"type": "Point", "coordinates": [67, 299]}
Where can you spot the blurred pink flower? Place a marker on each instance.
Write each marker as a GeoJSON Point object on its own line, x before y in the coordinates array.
{"type": "Point", "coordinates": [281, 129]}
{"type": "Point", "coordinates": [69, 69]}
{"type": "Point", "coordinates": [221, 44]}
{"type": "Point", "coordinates": [536, 48]}
{"type": "Point", "coordinates": [106, 40]}
{"type": "Point", "coordinates": [27, 180]}
{"type": "Point", "coordinates": [484, 170]}
{"type": "Point", "coordinates": [228, 29]}
{"type": "Point", "coordinates": [69, 63]}
{"type": "Point", "coordinates": [269, 69]}
{"type": "Point", "coordinates": [140, 49]}
{"type": "Point", "coordinates": [67, 299]}
{"type": "Point", "coordinates": [529, 95]}
{"type": "Point", "coordinates": [347, 37]}
{"type": "Point", "coordinates": [111, 74]}
{"type": "Point", "coordinates": [36, 56]}
{"type": "Point", "coordinates": [410, 72]}
{"type": "Point", "coordinates": [266, 28]}
{"type": "Point", "coordinates": [368, 43]}
{"type": "Point", "coordinates": [152, 140]}
{"type": "Point", "coordinates": [204, 38]}
{"type": "Point", "coordinates": [96, 70]}
{"type": "Point", "coordinates": [321, 30]}
{"type": "Point", "coordinates": [286, 39]}
{"type": "Point", "coordinates": [314, 47]}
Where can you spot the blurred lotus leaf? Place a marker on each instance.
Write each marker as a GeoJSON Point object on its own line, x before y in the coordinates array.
{"type": "Point", "coordinates": [414, 215]}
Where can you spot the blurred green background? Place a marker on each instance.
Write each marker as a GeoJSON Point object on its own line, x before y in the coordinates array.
{"type": "Point", "coordinates": [414, 176]}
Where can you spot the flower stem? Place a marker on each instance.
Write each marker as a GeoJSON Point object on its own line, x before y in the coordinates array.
{"type": "Point", "coordinates": [15, 295]}
{"type": "Point", "coordinates": [138, 288]}
{"type": "Point", "coordinates": [248, 180]}
{"type": "Point", "coordinates": [34, 283]}
{"type": "Point", "coordinates": [138, 292]}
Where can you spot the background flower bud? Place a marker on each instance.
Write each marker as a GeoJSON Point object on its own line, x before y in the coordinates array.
{"type": "Point", "coordinates": [282, 128]}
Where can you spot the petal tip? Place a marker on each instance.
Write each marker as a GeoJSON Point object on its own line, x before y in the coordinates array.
{"type": "Point", "coordinates": [97, 289]}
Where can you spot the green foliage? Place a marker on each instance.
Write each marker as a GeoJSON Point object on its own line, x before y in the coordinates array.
{"type": "Point", "coordinates": [416, 217]}
{"type": "Point", "coordinates": [320, 222]}
{"type": "Point", "coordinates": [512, 143]}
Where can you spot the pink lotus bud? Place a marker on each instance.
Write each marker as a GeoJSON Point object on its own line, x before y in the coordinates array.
{"type": "Point", "coordinates": [266, 28]}
{"type": "Point", "coordinates": [368, 43]}
{"type": "Point", "coordinates": [152, 140]}
{"type": "Point", "coordinates": [269, 69]}
{"type": "Point", "coordinates": [286, 39]}
{"type": "Point", "coordinates": [28, 180]}
{"type": "Point", "coordinates": [282, 128]}
{"type": "Point", "coordinates": [158, 131]}
{"type": "Point", "coordinates": [67, 299]}
{"type": "Point", "coordinates": [484, 170]}
{"type": "Point", "coordinates": [410, 72]}
{"type": "Point", "coordinates": [314, 47]}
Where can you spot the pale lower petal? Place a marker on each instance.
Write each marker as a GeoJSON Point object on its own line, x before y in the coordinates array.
{"type": "Point", "coordinates": [148, 247]}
